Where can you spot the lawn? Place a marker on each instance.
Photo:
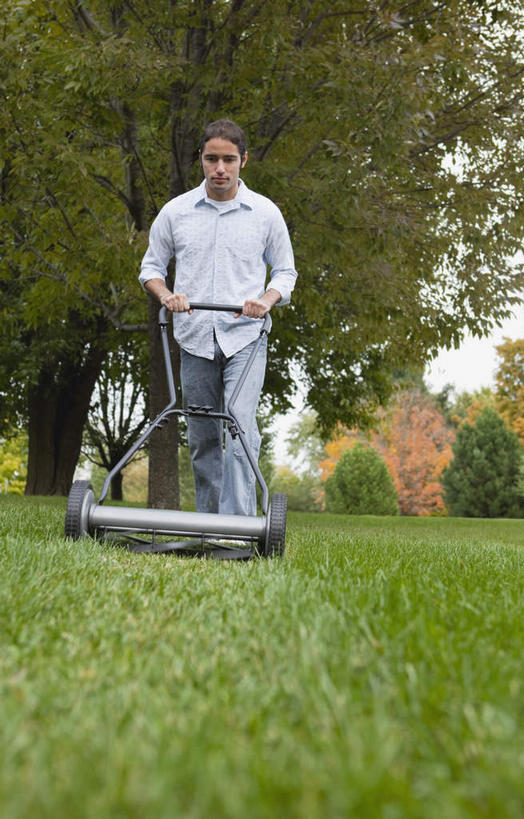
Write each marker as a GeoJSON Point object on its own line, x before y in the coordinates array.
{"type": "Point", "coordinates": [375, 671]}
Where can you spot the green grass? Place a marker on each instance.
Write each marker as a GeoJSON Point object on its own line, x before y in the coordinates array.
{"type": "Point", "coordinates": [376, 671]}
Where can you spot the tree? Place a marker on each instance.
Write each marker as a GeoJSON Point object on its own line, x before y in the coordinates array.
{"type": "Point", "coordinates": [304, 442]}
{"type": "Point", "coordinates": [415, 442]}
{"type": "Point", "coordinates": [267, 446]}
{"type": "Point", "coordinates": [510, 385]}
{"type": "Point", "coordinates": [482, 479]}
{"type": "Point", "coordinates": [416, 446]}
{"type": "Point", "coordinates": [303, 491]}
{"type": "Point", "coordinates": [387, 132]}
{"type": "Point", "coordinates": [59, 244]}
{"type": "Point", "coordinates": [361, 484]}
{"type": "Point", "coordinates": [135, 481]}
{"type": "Point", "coordinates": [467, 406]}
{"type": "Point", "coordinates": [57, 394]}
{"type": "Point", "coordinates": [117, 417]}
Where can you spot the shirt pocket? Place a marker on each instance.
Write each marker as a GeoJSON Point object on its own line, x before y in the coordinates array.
{"type": "Point", "coordinates": [192, 242]}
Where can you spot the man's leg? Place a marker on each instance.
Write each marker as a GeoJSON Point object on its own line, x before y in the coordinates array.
{"type": "Point", "coordinates": [239, 489]}
{"type": "Point", "coordinates": [202, 386]}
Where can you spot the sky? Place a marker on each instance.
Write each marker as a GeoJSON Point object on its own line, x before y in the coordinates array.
{"type": "Point", "coordinates": [473, 365]}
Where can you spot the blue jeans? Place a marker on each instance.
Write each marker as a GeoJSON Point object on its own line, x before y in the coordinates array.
{"type": "Point", "coordinates": [224, 482]}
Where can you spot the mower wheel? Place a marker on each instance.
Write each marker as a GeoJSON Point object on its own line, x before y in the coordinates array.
{"type": "Point", "coordinates": [81, 499]}
{"type": "Point", "coordinates": [276, 526]}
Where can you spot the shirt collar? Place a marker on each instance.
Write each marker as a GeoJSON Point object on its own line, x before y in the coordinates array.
{"type": "Point", "coordinates": [244, 197]}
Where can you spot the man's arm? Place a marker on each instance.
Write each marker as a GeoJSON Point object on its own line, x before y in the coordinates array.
{"type": "Point", "coordinates": [179, 303]}
{"type": "Point", "coordinates": [257, 308]}
{"type": "Point", "coordinates": [279, 256]}
{"type": "Point", "coordinates": [176, 302]}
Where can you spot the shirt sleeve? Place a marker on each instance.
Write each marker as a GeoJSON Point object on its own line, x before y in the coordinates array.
{"type": "Point", "coordinates": [279, 256]}
{"type": "Point", "coordinates": [160, 251]}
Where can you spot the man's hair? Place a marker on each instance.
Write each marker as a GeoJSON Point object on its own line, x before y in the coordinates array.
{"type": "Point", "coordinates": [224, 129]}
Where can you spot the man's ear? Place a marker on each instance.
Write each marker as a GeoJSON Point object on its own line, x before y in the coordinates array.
{"type": "Point", "coordinates": [243, 160]}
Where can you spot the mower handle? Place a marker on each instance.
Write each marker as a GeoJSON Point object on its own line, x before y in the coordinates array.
{"type": "Point", "coordinates": [265, 328]}
{"type": "Point", "coordinates": [227, 308]}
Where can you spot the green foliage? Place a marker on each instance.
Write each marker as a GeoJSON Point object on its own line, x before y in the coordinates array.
{"type": "Point", "coordinates": [350, 115]}
{"type": "Point", "coordinates": [510, 385]}
{"type": "Point", "coordinates": [521, 482]}
{"type": "Point", "coordinates": [117, 416]}
{"type": "Point", "coordinates": [13, 463]}
{"type": "Point", "coordinates": [305, 443]}
{"type": "Point", "coordinates": [267, 443]}
{"type": "Point", "coordinates": [466, 406]}
{"type": "Point", "coordinates": [302, 491]}
{"type": "Point", "coordinates": [361, 484]}
{"type": "Point", "coordinates": [482, 480]}
{"type": "Point", "coordinates": [135, 480]}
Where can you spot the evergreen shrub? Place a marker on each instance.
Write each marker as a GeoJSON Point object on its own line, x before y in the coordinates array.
{"type": "Point", "coordinates": [482, 480]}
{"type": "Point", "coordinates": [361, 484]}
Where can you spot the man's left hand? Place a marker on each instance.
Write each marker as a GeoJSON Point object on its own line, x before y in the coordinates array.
{"type": "Point", "coordinates": [254, 308]}
{"type": "Point", "coordinates": [257, 308]}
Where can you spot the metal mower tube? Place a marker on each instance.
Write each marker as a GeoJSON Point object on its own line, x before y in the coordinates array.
{"type": "Point", "coordinates": [237, 537]}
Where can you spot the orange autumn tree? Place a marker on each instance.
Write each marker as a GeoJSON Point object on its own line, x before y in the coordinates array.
{"type": "Point", "coordinates": [415, 442]}
{"type": "Point", "coordinates": [510, 385]}
{"type": "Point", "coordinates": [469, 405]}
{"type": "Point", "coordinates": [343, 440]}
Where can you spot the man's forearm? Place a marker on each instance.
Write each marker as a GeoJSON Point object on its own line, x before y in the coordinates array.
{"type": "Point", "coordinates": [157, 288]}
{"type": "Point", "coordinates": [271, 297]}
{"type": "Point", "coordinates": [176, 302]}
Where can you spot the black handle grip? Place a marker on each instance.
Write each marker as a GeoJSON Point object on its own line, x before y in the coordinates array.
{"type": "Point", "coordinates": [229, 308]}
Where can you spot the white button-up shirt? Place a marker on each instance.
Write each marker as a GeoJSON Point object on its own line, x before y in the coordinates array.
{"type": "Point", "coordinates": [222, 252]}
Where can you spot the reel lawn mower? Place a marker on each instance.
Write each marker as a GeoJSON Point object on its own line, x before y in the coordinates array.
{"type": "Point", "coordinates": [198, 534]}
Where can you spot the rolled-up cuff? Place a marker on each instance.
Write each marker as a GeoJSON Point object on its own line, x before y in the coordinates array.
{"type": "Point", "coordinates": [284, 283]}
{"type": "Point", "coordinates": [146, 276]}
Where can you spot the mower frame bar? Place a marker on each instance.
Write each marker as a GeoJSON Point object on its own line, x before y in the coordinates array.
{"type": "Point", "coordinates": [118, 513]}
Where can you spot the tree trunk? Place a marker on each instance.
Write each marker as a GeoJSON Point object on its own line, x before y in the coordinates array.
{"type": "Point", "coordinates": [163, 488]}
{"type": "Point", "coordinates": [58, 405]}
{"type": "Point", "coordinates": [164, 485]}
{"type": "Point", "coordinates": [116, 486]}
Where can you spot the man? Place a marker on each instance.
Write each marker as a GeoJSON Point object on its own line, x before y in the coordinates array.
{"type": "Point", "coordinates": [223, 237]}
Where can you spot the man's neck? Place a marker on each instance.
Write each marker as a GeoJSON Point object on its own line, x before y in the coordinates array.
{"type": "Point", "coordinates": [227, 196]}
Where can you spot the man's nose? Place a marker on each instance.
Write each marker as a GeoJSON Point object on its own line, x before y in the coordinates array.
{"type": "Point", "coordinates": [220, 166]}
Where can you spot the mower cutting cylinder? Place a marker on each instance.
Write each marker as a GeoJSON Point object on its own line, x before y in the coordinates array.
{"type": "Point", "coordinates": [167, 521]}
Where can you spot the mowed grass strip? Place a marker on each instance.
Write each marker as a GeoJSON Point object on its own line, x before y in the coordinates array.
{"type": "Point", "coordinates": [375, 671]}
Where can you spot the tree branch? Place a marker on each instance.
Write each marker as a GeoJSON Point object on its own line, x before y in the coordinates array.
{"type": "Point", "coordinates": [98, 304]}
{"type": "Point", "coordinates": [108, 185]}
{"type": "Point", "coordinates": [82, 14]}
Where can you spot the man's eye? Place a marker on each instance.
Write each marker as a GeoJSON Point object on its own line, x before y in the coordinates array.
{"type": "Point", "coordinates": [227, 160]}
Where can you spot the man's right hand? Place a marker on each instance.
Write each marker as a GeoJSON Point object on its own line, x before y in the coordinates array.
{"type": "Point", "coordinates": [176, 302]}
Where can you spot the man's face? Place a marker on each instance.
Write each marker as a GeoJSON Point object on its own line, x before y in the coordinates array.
{"type": "Point", "coordinates": [221, 162]}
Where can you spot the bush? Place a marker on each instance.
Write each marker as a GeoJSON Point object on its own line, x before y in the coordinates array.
{"type": "Point", "coordinates": [13, 463]}
{"type": "Point", "coordinates": [302, 491]}
{"type": "Point", "coordinates": [482, 480]}
{"type": "Point", "coordinates": [361, 485]}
